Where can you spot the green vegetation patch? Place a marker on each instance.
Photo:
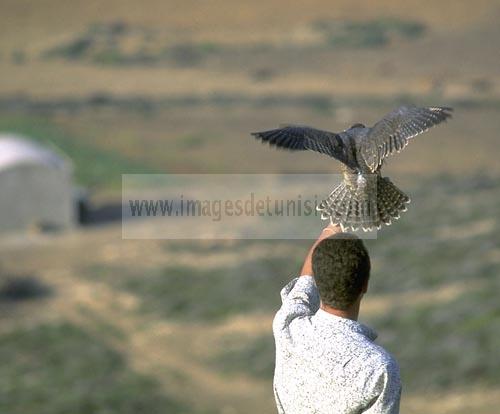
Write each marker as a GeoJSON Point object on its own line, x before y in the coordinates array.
{"type": "Point", "coordinates": [446, 345]}
{"type": "Point", "coordinates": [197, 294]}
{"type": "Point", "coordinates": [94, 167]}
{"type": "Point", "coordinates": [110, 44]}
{"type": "Point", "coordinates": [448, 237]}
{"type": "Point", "coordinates": [60, 368]}
{"type": "Point", "coordinates": [367, 34]}
{"type": "Point", "coordinates": [123, 44]}
{"type": "Point", "coordinates": [445, 236]}
{"type": "Point", "coordinates": [250, 356]}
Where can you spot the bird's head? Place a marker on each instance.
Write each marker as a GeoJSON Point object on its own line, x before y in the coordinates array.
{"type": "Point", "coordinates": [357, 126]}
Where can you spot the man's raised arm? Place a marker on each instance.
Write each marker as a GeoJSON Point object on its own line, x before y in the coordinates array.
{"type": "Point", "coordinates": [300, 297]}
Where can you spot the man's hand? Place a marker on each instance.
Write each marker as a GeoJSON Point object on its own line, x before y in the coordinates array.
{"type": "Point", "coordinates": [328, 231]}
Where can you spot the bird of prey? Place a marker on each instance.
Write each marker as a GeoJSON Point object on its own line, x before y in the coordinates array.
{"type": "Point", "coordinates": [364, 199]}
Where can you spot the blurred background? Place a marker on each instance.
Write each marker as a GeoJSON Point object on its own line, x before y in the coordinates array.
{"type": "Point", "coordinates": [91, 323]}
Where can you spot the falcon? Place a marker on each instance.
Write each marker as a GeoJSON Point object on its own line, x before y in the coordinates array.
{"type": "Point", "coordinates": [364, 199]}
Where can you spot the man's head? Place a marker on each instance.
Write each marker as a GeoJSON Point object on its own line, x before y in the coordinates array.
{"type": "Point", "coordinates": [341, 268]}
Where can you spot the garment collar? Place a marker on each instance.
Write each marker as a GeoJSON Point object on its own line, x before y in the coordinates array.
{"type": "Point", "coordinates": [348, 324]}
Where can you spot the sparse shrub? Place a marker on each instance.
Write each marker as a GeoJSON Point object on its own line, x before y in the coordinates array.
{"type": "Point", "coordinates": [186, 54]}
{"type": "Point", "coordinates": [263, 74]}
{"type": "Point", "coordinates": [208, 47]}
{"type": "Point", "coordinates": [72, 50]}
{"type": "Point", "coordinates": [23, 288]}
{"type": "Point", "coordinates": [117, 28]}
{"type": "Point", "coordinates": [368, 34]}
{"type": "Point", "coordinates": [18, 57]}
{"type": "Point", "coordinates": [320, 103]}
{"type": "Point", "coordinates": [482, 85]}
{"type": "Point", "coordinates": [253, 356]}
{"type": "Point", "coordinates": [106, 44]}
{"type": "Point", "coordinates": [405, 28]}
{"type": "Point", "coordinates": [110, 56]}
{"type": "Point", "coordinates": [192, 141]}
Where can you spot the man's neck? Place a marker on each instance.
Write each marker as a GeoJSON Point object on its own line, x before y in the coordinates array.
{"type": "Point", "coordinates": [350, 313]}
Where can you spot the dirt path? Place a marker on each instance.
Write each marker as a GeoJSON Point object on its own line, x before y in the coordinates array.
{"type": "Point", "coordinates": [159, 348]}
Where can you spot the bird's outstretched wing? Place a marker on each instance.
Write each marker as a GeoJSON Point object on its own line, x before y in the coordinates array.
{"type": "Point", "coordinates": [301, 138]}
{"type": "Point", "coordinates": [392, 133]}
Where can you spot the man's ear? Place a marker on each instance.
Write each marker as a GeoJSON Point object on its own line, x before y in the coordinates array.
{"type": "Point", "coordinates": [364, 289]}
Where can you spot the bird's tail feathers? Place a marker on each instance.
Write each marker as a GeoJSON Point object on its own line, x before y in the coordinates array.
{"type": "Point", "coordinates": [355, 207]}
{"type": "Point", "coordinates": [391, 200]}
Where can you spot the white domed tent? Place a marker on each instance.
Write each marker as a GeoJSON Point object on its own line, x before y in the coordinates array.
{"type": "Point", "coordinates": [36, 189]}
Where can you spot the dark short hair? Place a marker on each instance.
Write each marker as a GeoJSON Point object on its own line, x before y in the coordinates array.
{"type": "Point", "coordinates": [341, 267]}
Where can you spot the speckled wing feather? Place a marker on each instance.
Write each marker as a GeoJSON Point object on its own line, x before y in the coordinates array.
{"type": "Point", "coordinates": [301, 138]}
{"type": "Point", "coordinates": [392, 133]}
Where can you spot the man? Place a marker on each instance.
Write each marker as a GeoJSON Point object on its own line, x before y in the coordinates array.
{"type": "Point", "coordinates": [326, 361]}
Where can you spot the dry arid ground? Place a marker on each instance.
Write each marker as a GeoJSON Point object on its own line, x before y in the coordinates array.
{"type": "Point", "coordinates": [93, 323]}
